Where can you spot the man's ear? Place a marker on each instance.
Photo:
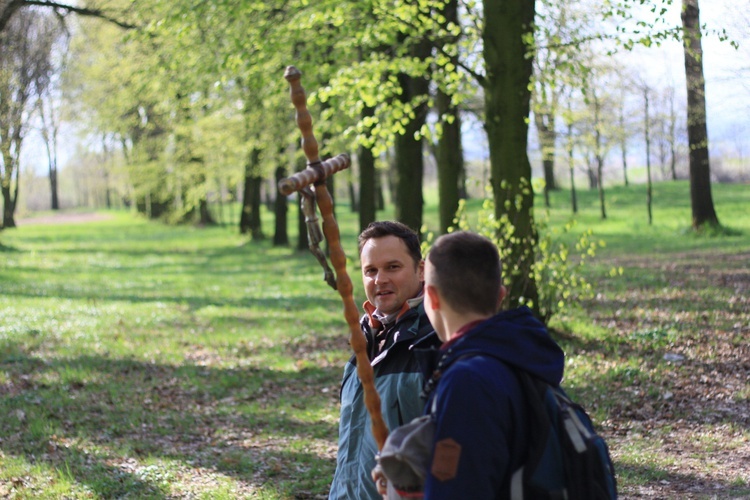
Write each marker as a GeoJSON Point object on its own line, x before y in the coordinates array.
{"type": "Point", "coordinates": [434, 297]}
{"type": "Point", "coordinates": [501, 296]}
{"type": "Point", "coordinates": [420, 270]}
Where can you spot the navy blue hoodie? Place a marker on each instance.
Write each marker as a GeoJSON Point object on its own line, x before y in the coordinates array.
{"type": "Point", "coordinates": [480, 433]}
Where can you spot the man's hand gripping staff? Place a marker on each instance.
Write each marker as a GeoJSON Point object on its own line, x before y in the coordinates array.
{"type": "Point", "coordinates": [316, 173]}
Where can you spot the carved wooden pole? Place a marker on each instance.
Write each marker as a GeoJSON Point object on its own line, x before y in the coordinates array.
{"type": "Point", "coordinates": [316, 173]}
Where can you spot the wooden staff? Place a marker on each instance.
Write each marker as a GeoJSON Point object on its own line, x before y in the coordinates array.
{"type": "Point", "coordinates": [316, 173]}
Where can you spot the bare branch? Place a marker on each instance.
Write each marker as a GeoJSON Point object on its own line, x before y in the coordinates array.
{"type": "Point", "coordinates": [10, 7]}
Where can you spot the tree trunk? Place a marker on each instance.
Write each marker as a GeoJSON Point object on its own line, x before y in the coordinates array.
{"type": "Point", "coordinates": [331, 186]}
{"type": "Point", "coordinates": [624, 146]}
{"type": "Point", "coordinates": [700, 171]}
{"type": "Point", "coordinates": [353, 200]}
{"type": "Point", "coordinates": [204, 214]}
{"type": "Point", "coordinates": [52, 171]}
{"type": "Point", "coordinates": [450, 161]}
{"type": "Point", "coordinates": [280, 234]}
{"type": "Point", "coordinates": [10, 148]}
{"type": "Point", "coordinates": [303, 241]}
{"type": "Point", "coordinates": [409, 171]}
{"type": "Point", "coordinates": [591, 173]}
{"type": "Point", "coordinates": [379, 192]}
{"type": "Point", "coordinates": [408, 150]}
{"type": "Point", "coordinates": [599, 156]}
{"type": "Point", "coordinates": [545, 125]}
{"type": "Point", "coordinates": [571, 169]}
{"type": "Point", "coordinates": [571, 164]}
{"type": "Point", "coordinates": [672, 138]}
{"type": "Point", "coordinates": [6, 178]}
{"type": "Point", "coordinates": [599, 172]}
{"type": "Point", "coordinates": [250, 221]}
{"type": "Point", "coordinates": [367, 187]}
{"type": "Point", "coordinates": [449, 156]}
{"type": "Point", "coordinates": [245, 212]}
{"type": "Point", "coordinates": [8, 208]}
{"type": "Point", "coordinates": [507, 106]}
{"type": "Point", "coordinates": [648, 156]}
{"type": "Point", "coordinates": [256, 230]}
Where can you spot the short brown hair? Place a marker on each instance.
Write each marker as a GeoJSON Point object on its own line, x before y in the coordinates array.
{"type": "Point", "coordinates": [380, 229]}
{"type": "Point", "coordinates": [468, 272]}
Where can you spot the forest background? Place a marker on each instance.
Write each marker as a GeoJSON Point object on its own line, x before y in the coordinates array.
{"type": "Point", "coordinates": [185, 109]}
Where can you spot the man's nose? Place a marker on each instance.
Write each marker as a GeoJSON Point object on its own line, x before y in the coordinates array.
{"type": "Point", "coordinates": [381, 277]}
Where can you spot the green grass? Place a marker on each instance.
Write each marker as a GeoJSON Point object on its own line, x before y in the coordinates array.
{"type": "Point", "coordinates": [146, 361]}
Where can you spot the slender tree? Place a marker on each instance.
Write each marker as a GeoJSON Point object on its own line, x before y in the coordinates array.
{"type": "Point", "coordinates": [672, 133]}
{"type": "Point", "coordinates": [25, 65]}
{"type": "Point", "coordinates": [623, 135]}
{"type": "Point", "coordinates": [409, 155]}
{"type": "Point", "coordinates": [280, 235]}
{"type": "Point", "coordinates": [48, 105]}
{"type": "Point", "coordinates": [367, 182]}
{"type": "Point", "coordinates": [450, 157]}
{"type": "Point", "coordinates": [570, 146]}
{"type": "Point", "coordinates": [647, 136]}
{"type": "Point", "coordinates": [700, 169]}
{"type": "Point", "coordinates": [599, 149]}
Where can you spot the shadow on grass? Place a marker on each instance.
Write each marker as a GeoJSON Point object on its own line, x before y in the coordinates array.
{"type": "Point", "coordinates": [88, 417]}
{"type": "Point", "coordinates": [657, 483]}
{"type": "Point", "coordinates": [8, 249]}
{"type": "Point", "coordinates": [182, 280]}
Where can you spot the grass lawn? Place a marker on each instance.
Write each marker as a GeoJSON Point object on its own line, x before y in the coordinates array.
{"type": "Point", "coordinates": [146, 361]}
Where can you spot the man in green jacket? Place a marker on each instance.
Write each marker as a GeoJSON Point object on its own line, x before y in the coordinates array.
{"type": "Point", "coordinates": [394, 322]}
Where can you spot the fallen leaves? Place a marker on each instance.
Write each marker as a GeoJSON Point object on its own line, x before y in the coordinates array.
{"type": "Point", "coordinates": [687, 404]}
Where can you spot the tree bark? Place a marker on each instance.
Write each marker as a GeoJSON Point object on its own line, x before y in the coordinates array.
{"type": "Point", "coordinates": [624, 143]}
{"type": "Point", "coordinates": [599, 154]}
{"type": "Point", "coordinates": [49, 131]}
{"type": "Point", "coordinates": [408, 150]}
{"type": "Point", "coordinates": [571, 170]}
{"type": "Point", "coordinates": [450, 160]}
{"type": "Point", "coordinates": [700, 171]}
{"type": "Point", "coordinates": [55, 200]}
{"type": "Point", "coordinates": [250, 221]}
{"type": "Point", "coordinates": [367, 187]}
{"type": "Point", "coordinates": [8, 208]}
{"type": "Point", "coordinates": [280, 234]}
{"type": "Point", "coordinates": [204, 214]}
{"type": "Point", "coordinates": [449, 156]}
{"type": "Point", "coordinates": [256, 229]}
{"type": "Point", "coordinates": [303, 241]}
{"type": "Point", "coordinates": [379, 192]}
{"type": "Point", "coordinates": [9, 8]}
{"type": "Point", "coordinates": [507, 106]}
{"type": "Point", "coordinates": [353, 200]}
{"type": "Point", "coordinates": [545, 125]}
{"type": "Point", "coordinates": [647, 129]}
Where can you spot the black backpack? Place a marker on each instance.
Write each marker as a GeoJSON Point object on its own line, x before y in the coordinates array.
{"type": "Point", "coordinates": [561, 433]}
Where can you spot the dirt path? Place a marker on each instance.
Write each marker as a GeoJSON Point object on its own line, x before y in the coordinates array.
{"type": "Point", "coordinates": [62, 218]}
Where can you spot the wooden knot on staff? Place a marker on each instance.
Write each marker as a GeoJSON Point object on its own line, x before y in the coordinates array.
{"type": "Point", "coordinates": [316, 173]}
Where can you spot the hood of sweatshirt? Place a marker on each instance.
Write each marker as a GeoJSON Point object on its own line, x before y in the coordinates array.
{"type": "Point", "coordinates": [515, 337]}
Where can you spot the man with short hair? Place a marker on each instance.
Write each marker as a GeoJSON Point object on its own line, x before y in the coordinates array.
{"type": "Point", "coordinates": [478, 408]}
{"type": "Point", "coordinates": [393, 324]}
